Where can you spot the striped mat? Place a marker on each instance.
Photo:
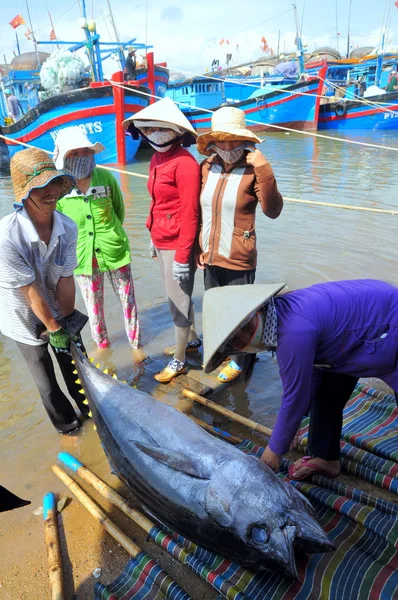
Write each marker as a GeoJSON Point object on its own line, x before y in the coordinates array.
{"type": "Point", "coordinates": [363, 527]}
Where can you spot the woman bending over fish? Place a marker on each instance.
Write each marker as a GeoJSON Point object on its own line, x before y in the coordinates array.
{"type": "Point", "coordinates": [235, 179]}
{"type": "Point", "coordinates": [325, 337]}
{"type": "Point", "coordinates": [174, 182]}
{"type": "Point", "coordinates": [96, 205]}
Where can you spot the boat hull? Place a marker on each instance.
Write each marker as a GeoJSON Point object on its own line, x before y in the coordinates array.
{"type": "Point", "coordinates": [361, 116]}
{"type": "Point", "coordinates": [98, 109]}
{"type": "Point", "coordinates": [298, 109]}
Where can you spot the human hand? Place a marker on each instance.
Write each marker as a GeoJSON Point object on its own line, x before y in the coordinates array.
{"type": "Point", "coordinates": [272, 460]}
{"type": "Point", "coordinates": [181, 271]}
{"type": "Point", "coordinates": [256, 158]}
{"type": "Point", "coordinates": [199, 261]}
{"type": "Point", "coordinates": [60, 339]}
{"type": "Point", "coordinates": [152, 250]}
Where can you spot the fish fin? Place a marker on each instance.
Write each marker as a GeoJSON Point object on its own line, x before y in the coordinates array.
{"type": "Point", "coordinates": [174, 460]}
{"type": "Point", "coordinates": [9, 501]}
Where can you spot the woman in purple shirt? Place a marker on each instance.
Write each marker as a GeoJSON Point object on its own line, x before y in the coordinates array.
{"type": "Point", "coordinates": [325, 337]}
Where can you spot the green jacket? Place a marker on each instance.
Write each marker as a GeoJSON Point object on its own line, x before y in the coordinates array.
{"type": "Point", "coordinates": [99, 216]}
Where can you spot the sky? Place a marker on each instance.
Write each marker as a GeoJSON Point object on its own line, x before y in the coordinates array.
{"type": "Point", "coordinates": [187, 34]}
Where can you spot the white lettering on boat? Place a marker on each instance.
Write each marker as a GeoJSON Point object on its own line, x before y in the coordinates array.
{"type": "Point", "coordinates": [89, 128]}
{"type": "Point", "coordinates": [390, 115]}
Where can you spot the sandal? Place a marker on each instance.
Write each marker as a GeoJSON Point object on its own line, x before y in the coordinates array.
{"type": "Point", "coordinates": [173, 369]}
{"type": "Point", "coordinates": [192, 346]}
{"type": "Point", "coordinates": [228, 374]}
{"type": "Point", "coordinates": [315, 470]}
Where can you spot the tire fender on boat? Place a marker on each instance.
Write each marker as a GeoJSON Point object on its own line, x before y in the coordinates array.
{"type": "Point", "coordinates": [261, 104]}
{"type": "Point", "coordinates": [340, 109]}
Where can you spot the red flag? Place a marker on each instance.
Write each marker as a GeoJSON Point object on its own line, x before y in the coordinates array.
{"type": "Point", "coordinates": [396, 3]}
{"type": "Point", "coordinates": [223, 41]}
{"type": "Point", "coordinates": [52, 35]}
{"type": "Point", "coordinates": [28, 33]}
{"type": "Point", "coordinates": [17, 21]}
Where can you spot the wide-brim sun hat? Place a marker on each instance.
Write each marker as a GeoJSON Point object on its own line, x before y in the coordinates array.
{"type": "Point", "coordinates": [163, 113]}
{"type": "Point", "coordinates": [33, 168]}
{"type": "Point", "coordinates": [227, 124]}
{"type": "Point", "coordinates": [225, 310]}
{"type": "Point", "coordinates": [72, 138]}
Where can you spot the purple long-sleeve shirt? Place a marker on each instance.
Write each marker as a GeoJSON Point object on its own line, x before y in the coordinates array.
{"type": "Point", "coordinates": [339, 324]}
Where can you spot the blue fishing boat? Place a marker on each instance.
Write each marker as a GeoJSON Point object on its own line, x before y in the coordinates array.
{"type": "Point", "coordinates": [98, 106]}
{"type": "Point", "coordinates": [294, 106]}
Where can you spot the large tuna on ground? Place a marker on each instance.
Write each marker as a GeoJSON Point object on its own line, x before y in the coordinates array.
{"type": "Point", "coordinates": [198, 485]}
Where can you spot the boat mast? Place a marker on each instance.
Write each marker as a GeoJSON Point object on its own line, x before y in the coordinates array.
{"type": "Point", "coordinates": [349, 30]}
{"type": "Point", "coordinates": [299, 43]}
{"type": "Point", "coordinates": [33, 33]}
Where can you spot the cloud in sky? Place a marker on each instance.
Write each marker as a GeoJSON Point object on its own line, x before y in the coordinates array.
{"type": "Point", "coordinates": [187, 35]}
{"type": "Point", "coordinates": [172, 13]}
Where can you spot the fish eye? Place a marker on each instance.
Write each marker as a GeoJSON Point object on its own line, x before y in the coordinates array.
{"type": "Point", "coordinates": [259, 535]}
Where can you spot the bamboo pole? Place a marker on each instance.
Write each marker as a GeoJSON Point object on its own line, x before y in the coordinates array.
{"type": "Point", "coordinates": [53, 547]}
{"type": "Point", "coordinates": [97, 513]}
{"type": "Point", "coordinates": [228, 413]}
{"type": "Point", "coordinates": [217, 580]}
{"type": "Point", "coordinates": [105, 490]}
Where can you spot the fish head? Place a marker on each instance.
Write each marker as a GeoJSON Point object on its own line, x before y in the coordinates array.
{"type": "Point", "coordinates": [255, 507]}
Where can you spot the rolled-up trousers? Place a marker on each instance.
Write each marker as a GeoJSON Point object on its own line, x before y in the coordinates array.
{"type": "Point", "coordinates": [330, 393]}
{"type": "Point", "coordinates": [57, 405]}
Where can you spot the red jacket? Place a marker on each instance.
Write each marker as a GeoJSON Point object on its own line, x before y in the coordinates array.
{"type": "Point", "coordinates": [174, 186]}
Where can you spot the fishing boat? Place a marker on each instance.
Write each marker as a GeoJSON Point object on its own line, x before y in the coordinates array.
{"type": "Point", "coordinates": [99, 107]}
{"type": "Point", "coordinates": [293, 106]}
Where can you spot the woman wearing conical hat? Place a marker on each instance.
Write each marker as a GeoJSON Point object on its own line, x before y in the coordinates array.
{"type": "Point", "coordinates": [174, 185]}
{"type": "Point", "coordinates": [235, 179]}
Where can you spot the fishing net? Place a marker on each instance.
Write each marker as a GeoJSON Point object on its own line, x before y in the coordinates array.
{"type": "Point", "coordinates": [62, 71]}
{"type": "Point", "coordinates": [364, 528]}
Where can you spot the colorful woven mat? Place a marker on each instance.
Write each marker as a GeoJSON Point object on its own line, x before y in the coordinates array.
{"type": "Point", "coordinates": [364, 529]}
{"type": "Point", "coordinates": [369, 446]}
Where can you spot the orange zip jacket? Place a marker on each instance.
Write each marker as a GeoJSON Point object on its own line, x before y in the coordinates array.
{"type": "Point", "coordinates": [228, 201]}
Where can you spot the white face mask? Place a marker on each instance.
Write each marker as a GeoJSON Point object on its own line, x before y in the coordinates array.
{"type": "Point", "coordinates": [230, 156]}
{"type": "Point", "coordinates": [158, 138]}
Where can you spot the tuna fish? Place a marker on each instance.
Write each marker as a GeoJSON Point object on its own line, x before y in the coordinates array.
{"type": "Point", "coordinates": [196, 484]}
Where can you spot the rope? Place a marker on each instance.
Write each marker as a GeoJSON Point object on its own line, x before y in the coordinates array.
{"type": "Point", "coordinates": [378, 105]}
{"type": "Point", "coordinates": [292, 92]}
{"type": "Point", "coordinates": [285, 198]}
{"type": "Point", "coordinates": [248, 120]}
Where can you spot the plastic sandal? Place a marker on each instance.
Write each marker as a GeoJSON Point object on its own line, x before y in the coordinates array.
{"type": "Point", "coordinates": [192, 346]}
{"type": "Point", "coordinates": [315, 470]}
{"type": "Point", "coordinates": [173, 369]}
{"type": "Point", "coordinates": [229, 374]}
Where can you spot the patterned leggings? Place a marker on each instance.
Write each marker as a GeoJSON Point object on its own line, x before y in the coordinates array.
{"type": "Point", "coordinates": [92, 289]}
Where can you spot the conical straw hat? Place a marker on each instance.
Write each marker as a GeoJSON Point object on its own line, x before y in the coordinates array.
{"type": "Point", "coordinates": [33, 168]}
{"type": "Point", "coordinates": [164, 111]}
{"type": "Point", "coordinates": [225, 309]}
{"type": "Point", "coordinates": [227, 123]}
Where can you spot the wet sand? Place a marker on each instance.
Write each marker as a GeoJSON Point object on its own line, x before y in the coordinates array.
{"type": "Point", "coordinates": [304, 246]}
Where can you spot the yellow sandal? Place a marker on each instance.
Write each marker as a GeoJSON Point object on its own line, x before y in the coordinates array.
{"type": "Point", "coordinates": [229, 373]}
{"type": "Point", "coordinates": [173, 369]}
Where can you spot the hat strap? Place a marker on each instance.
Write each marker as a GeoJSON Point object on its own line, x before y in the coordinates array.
{"type": "Point", "coordinates": [38, 170]}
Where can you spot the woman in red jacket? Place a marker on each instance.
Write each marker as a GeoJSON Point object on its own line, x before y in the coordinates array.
{"type": "Point", "coordinates": [174, 186]}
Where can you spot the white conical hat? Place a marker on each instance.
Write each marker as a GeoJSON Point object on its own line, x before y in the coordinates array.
{"type": "Point", "coordinates": [164, 111]}
{"type": "Point", "coordinates": [225, 309]}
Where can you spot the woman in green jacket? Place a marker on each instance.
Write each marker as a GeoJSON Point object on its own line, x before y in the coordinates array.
{"type": "Point", "coordinates": [96, 205]}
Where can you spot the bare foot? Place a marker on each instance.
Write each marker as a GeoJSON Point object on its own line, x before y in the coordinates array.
{"type": "Point", "coordinates": [307, 466]}
{"type": "Point", "coordinates": [138, 355]}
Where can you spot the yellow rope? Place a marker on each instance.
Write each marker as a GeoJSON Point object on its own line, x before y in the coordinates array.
{"type": "Point", "coordinates": [285, 198]}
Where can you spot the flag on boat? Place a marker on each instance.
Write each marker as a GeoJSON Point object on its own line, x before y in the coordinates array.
{"type": "Point", "coordinates": [28, 33]}
{"type": "Point", "coordinates": [396, 3]}
{"type": "Point", "coordinates": [222, 41]}
{"type": "Point", "coordinates": [52, 35]}
{"type": "Point", "coordinates": [17, 21]}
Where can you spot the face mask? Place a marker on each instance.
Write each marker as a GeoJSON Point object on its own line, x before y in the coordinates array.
{"type": "Point", "coordinates": [230, 156]}
{"type": "Point", "coordinates": [79, 167]}
{"type": "Point", "coordinates": [158, 140]}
